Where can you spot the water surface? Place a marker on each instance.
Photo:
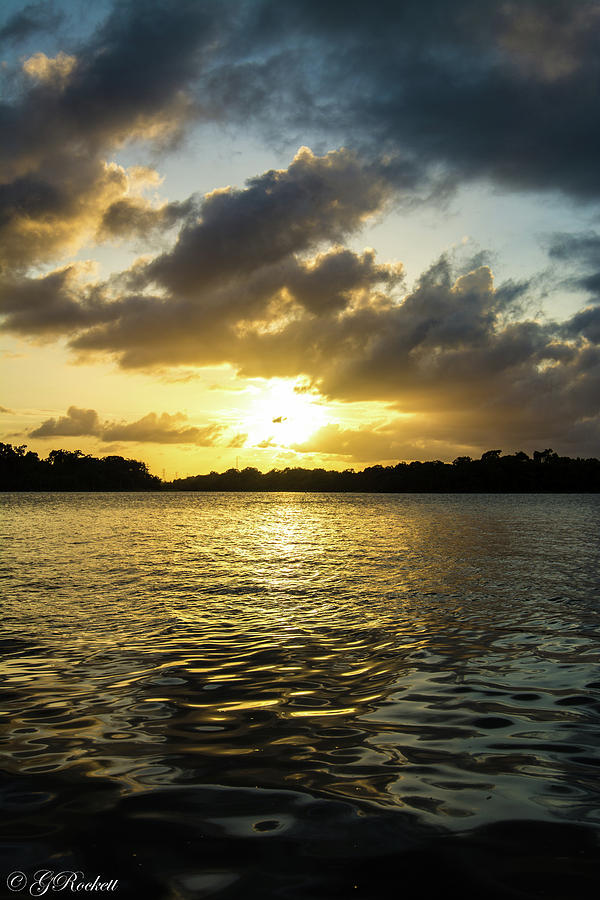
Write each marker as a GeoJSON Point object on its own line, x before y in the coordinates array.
{"type": "Point", "coordinates": [303, 695]}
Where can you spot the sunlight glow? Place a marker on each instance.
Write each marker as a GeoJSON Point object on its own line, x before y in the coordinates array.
{"type": "Point", "coordinates": [279, 416]}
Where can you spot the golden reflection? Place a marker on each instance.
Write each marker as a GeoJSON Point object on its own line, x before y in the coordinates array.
{"type": "Point", "coordinates": [352, 672]}
{"type": "Point", "coordinates": [309, 713]}
{"type": "Point", "coordinates": [355, 672]}
{"type": "Point", "coordinates": [248, 704]}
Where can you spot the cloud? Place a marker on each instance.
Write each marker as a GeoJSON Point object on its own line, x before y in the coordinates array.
{"type": "Point", "coordinates": [392, 441]}
{"type": "Point", "coordinates": [76, 423]}
{"type": "Point", "coordinates": [580, 255]}
{"type": "Point", "coordinates": [582, 248]}
{"type": "Point", "coordinates": [53, 71]}
{"type": "Point", "coordinates": [585, 323]}
{"type": "Point", "coordinates": [330, 281]}
{"type": "Point", "coordinates": [418, 96]}
{"type": "Point", "coordinates": [5, 409]}
{"type": "Point", "coordinates": [429, 94]}
{"type": "Point", "coordinates": [163, 429]}
{"type": "Point", "coordinates": [240, 286]}
{"type": "Point", "coordinates": [504, 91]}
{"type": "Point", "coordinates": [129, 81]}
{"type": "Point", "coordinates": [237, 441]}
{"type": "Point", "coordinates": [436, 435]}
{"type": "Point", "coordinates": [52, 304]}
{"type": "Point", "coordinates": [31, 19]}
{"type": "Point", "coordinates": [130, 217]}
{"type": "Point", "coordinates": [41, 216]}
{"type": "Point", "coordinates": [239, 258]}
{"type": "Point", "coordinates": [242, 265]}
{"type": "Point", "coordinates": [368, 443]}
{"type": "Point", "coordinates": [278, 214]}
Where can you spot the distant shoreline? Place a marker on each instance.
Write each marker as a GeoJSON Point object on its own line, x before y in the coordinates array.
{"type": "Point", "coordinates": [474, 493]}
{"type": "Point", "coordinates": [546, 472]}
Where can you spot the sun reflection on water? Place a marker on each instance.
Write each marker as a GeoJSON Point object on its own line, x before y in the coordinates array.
{"type": "Point", "coordinates": [348, 647]}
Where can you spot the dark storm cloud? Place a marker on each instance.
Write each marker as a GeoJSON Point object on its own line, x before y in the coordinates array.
{"type": "Point", "coordinates": [52, 304]}
{"type": "Point", "coordinates": [582, 248]}
{"type": "Point", "coordinates": [163, 429]}
{"type": "Point", "coordinates": [129, 81]}
{"type": "Point", "coordinates": [446, 337]}
{"type": "Point", "coordinates": [420, 96]}
{"type": "Point", "coordinates": [500, 90]}
{"type": "Point", "coordinates": [449, 352]}
{"type": "Point", "coordinates": [503, 90]}
{"type": "Point", "coordinates": [242, 266]}
{"type": "Point", "coordinates": [586, 323]}
{"type": "Point", "coordinates": [279, 213]}
{"type": "Point", "coordinates": [239, 286]}
{"type": "Point", "coordinates": [42, 216]}
{"type": "Point", "coordinates": [579, 255]}
{"type": "Point", "coordinates": [31, 19]}
{"type": "Point", "coordinates": [332, 279]}
{"type": "Point", "coordinates": [135, 217]}
{"type": "Point", "coordinates": [449, 349]}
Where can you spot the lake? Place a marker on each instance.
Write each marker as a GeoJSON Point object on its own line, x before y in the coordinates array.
{"type": "Point", "coordinates": [302, 695]}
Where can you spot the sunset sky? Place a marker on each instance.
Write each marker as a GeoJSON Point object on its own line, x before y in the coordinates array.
{"type": "Point", "coordinates": [300, 233]}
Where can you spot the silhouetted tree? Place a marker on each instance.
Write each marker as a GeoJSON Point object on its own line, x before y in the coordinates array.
{"type": "Point", "coordinates": [73, 470]}
{"type": "Point", "coordinates": [462, 461]}
{"type": "Point", "coordinates": [490, 456]}
{"type": "Point", "coordinates": [492, 473]}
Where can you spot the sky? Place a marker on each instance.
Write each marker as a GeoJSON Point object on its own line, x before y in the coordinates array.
{"type": "Point", "coordinates": [277, 234]}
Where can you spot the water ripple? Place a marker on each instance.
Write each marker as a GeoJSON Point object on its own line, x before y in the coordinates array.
{"type": "Point", "coordinates": [339, 677]}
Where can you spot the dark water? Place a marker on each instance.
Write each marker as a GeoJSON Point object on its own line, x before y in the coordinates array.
{"type": "Point", "coordinates": [303, 695]}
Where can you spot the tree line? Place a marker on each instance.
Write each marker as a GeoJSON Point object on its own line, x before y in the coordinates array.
{"type": "Point", "coordinates": [71, 470]}
{"type": "Point", "coordinates": [544, 471]}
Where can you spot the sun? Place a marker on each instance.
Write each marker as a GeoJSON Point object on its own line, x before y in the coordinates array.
{"type": "Point", "coordinates": [280, 416]}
